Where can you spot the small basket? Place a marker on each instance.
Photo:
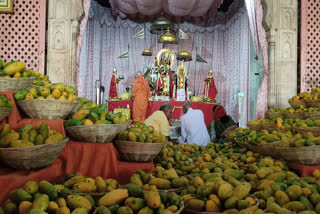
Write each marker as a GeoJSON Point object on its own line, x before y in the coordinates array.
{"type": "Point", "coordinates": [15, 84]}
{"type": "Point", "coordinates": [268, 149]}
{"type": "Point", "coordinates": [313, 103]}
{"type": "Point", "coordinates": [312, 115]}
{"type": "Point", "coordinates": [138, 152]}
{"type": "Point", "coordinates": [270, 127]}
{"type": "Point", "coordinates": [314, 130]}
{"type": "Point", "coordinates": [269, 114]}
{"type": "Point", "coordinates": [4, 112]}
{"type": "Point", "coordinates": [32, 157]}
{"type": "Point", "coordinates": [47, 109]}
{"type": "Point", "coordinates": [103, 133]}
{"type": "Point", "coordinates": [257, 127]}
{"type": "Point", "coordinates": [308, 155]}
{"type": "Point", "coordinates": [242, 145]}
{"type": "Point", "coordinates": [229, 129]}
{"type": "Point", "coordinates": [296, 103]}
{"type": "Point", "coordinates": [293, 115]}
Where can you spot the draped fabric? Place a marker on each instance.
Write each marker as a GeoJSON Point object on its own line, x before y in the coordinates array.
{"type": "Point", "coordinates": [262, 105]}
{"type": "Point", "coordinates": [225, 47]}
{"type": "Point", "coordinates": [250, 5]}
{"type": "Point", "coordinates": [82, 30]}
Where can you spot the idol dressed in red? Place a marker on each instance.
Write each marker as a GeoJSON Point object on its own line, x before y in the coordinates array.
{"type": "Point", "coordinates": [210, 90]}
{"type": "Point", "coordinates": [114, 92]}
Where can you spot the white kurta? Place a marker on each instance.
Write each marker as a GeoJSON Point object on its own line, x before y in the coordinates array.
{"type": "Point", "coordinates": [193, 128]}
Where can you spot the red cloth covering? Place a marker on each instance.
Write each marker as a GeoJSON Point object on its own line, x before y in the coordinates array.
{"type": "Point", "coordinates": [90, 159]}
{"type": "Point", "coordinates": [113, 92]}
{"type": "Point", "coordinates": [211, 90]}
{"type": "Point", "coordinates": [207, 108]}
{"type": "Point", "coordinates": [303, 170]}
{"type": "Point", "coordinates": [220, 112]}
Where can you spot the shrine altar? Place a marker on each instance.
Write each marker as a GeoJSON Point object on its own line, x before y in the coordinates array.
{"type": "Point", "coordinates": [177, 108]}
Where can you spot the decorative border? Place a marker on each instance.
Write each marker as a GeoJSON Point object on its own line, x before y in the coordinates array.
{"type": "Point", "coordinates": [8, 8]}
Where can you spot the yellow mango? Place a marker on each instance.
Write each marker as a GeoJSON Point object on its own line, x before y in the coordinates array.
{"type": "Point", "coordinates": [198, 181]}
{"type": "Point", "coordinates": [63, 210]}
{"type": "Point", "coordinates": [116, 196]}
{"type": "Point", "coordinates": [81, 114]}
{"type": "Point", "coordinates": [211, 206]}
{"type": "Point", "coordinates": [52, 207]}
{"type": "Point", "coordinates": [159, 182]}
{"type": "Point", "coordinates": [77, 201]}
{"type": "Point", "coordinates": [136, 179]}
{"type": "Point", "coordinates": [87, 122]}
{"type": "Point", "coordinates": [153, 199]}
{"type": "Point", "coordinates": [14, 68]}
{"type": "Point", "coordinates": [54, 138]}
{"type": "Point", "coordinates": [85, 187]}
{"type": "Point", "coordinates": [56, 93]}
{"type": "Point", "coordinates": [25, 207]}
{"type": "Point", "coordinates": [61, 202]}
{"type": "Point", "coordinates": [101, 185]}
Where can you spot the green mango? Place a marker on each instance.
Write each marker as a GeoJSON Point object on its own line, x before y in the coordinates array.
{"type": "Point", "coordinates": [20, 95]}
{"type": "Point", "coordinates": [114, 208]}
{"type": "Point", "coordinates": [134, 190]}
{"type": "Point", "coordinates": [174, 199]}
{"type": "Point", "coordinates": [102, 210]}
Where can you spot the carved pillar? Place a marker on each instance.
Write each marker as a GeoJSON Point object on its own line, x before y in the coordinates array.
{"type": "Point", "coordinates": [281, 22]}
{"type": "Point", "coordinates": [63, 27]}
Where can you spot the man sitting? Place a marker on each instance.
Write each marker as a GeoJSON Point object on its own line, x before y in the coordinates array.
{"type": "Point", "coordinates": [193, 127]}
{"type": "Point", "coordinates": [160, 119]}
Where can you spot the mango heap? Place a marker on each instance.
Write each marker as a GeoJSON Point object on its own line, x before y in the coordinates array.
{"type": "Point", "coordinates": [28, 136]}
{"type": "Point", "coordinates": [5, 103]}
{"type": "Point", "coordinates": [44, 197]}
{"type": "Point", "coordinates": [55, 91]}
{"type": "Point", "coordinates": [305, 96]}
{"type": "Point", "coordinates": [276, 110]}
{"type": "Point", "coordinates": [279, 123]}
{"type": "Point", "coordinates": [163, 179]}
{"type": "Point", "coordinates": [97, 115]}
{"type": "Point", "coordinates": [300, 109]}
{"type": "Point", "coordinates": [140, 132]}
{"type": "Point", "coordinates": [80, 183]}
{"type": "Point", "coordinates": [308, 123]}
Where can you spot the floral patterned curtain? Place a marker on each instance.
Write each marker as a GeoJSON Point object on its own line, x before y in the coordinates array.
{"type": "Point", "coordinates": [225, 47]}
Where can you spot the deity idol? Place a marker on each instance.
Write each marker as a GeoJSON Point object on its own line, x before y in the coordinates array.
{"type": "Point", "coordinates": [164, 81]}
{"type": "Point", "coordinates": [182, 78]}
{"type": "Point", "coordinates": [114, 85]}
{"type": "Point", "coordinates": [210, 90]}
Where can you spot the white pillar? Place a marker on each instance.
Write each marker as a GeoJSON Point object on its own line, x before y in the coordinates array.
{"type": "Point", "coordinates": [63, 28]}
{"type": "Point", "coordinates": [281, 24]}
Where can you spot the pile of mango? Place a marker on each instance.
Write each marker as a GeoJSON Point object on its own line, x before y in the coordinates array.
{"type": "Point", "coordinates": [5, 103]}
{"type": "Point", "coordinates": [279, 122]}
{"type": "Point", "coordinates": [80, 183]}
{"type": "Point", "coordinates": [140, 132]}
{"type": "Point", "coordinates": [28, 136]}
{"type": "Point", "coordinates": [42, 198]}
{"type": "Point", "coordinates": [305, 96]}
{"type": "Point", "coordinates": [85, 104]}
{"type": "Point", "coordinates": [132, 199]}
{"type": "Point", "coordinates": [55, 91]}
{"type": "Point", "coordinates": [163, 179]}
{"type": "Point", "coordinates": [95, 115]}
{"type": "Point", "coordinates": [284, 192]}
{"type": "Point", "coordinates": [276, 110]}
{"type": "Point", "coordinates": [299, 140]}
{"type": "Point", "coordinates": [308, 123]}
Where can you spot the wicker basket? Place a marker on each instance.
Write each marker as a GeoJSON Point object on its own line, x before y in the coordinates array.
{"type": "Point", "coordinates": [257, 127]}
{"type": "Point", "coordinates": [103, 133]}
{"type": "Point", "coordinates": [314, 130]}
{"type": "Point", "coordinates": [173, 190]}
{"type": "Point", "coordinates": [313, 103]}
{"type": "Point", "coordinates": [308, 155]}
{"type": "Point", "coordinates": [138, 152]}
{"type": "Point", "coordinates": [269, 114]}
{"type": "Point", "coordinates": [312, 115]}
{"type": "Point", "coordinates": [268, 149]}
{"type": "Point", "coordinates": [32, 157]}
{"type": "Point", "coordinates": [293, 115]}
{"type": "Point", "coordinates": [4, 112]}
{"type": "Point", "coordinates": [242, 145]}
{"type": "Point", "coordinates": [47, 109]}
{"type": "Point", "coordinates": [269, 127]}
{"type": "Point", "coordinates": [296, 103]}
{"type": "Point", "coordinates": [229, 129]}
{"type": "Point", "coordinates": [15, 84]}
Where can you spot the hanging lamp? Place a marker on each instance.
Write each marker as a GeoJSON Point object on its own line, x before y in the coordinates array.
{"type": "Point", "coordinates": [146, 52]}
{"type": "Point", "coordinates": [168, 38]}
{"type": "Point", "coordinates": [184, 55]}
{"type": "Point", "coordinates": [160, 25]}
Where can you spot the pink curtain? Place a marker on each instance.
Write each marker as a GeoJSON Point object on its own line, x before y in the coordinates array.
{"type": "Point", "coordinates": [262, 105]}
{"type": "Point", "coordinates": [225, 48]}
{"type": "Point", "coordinates": [83, 25]}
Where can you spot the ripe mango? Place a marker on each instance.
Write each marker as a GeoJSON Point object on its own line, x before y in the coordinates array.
{"type": "Point", "coordinates": [225, 191]}
{"type": "Point", "coordinates": [85, 187]}
{"type": "Point", "coordinates": [294, 192]}
{"type": "Point", "coordinates": [41, 202]}
{"type": "Point", "coordinates": [47, 188]}
{"type": "Point", "coordinates": [31, 187]}
{"type": "Point", "coordinates": [124, 210]}
{"type": "Point", "coordinates": [281, 198]}
{"type": "Point", "coordinates": [73, 180]}
{"type": "Point", "coordinates": [196, 205]}
{"type": "Point", "coordinates": [241, 191]}
{"type": "Point", "coordinates": [180, 182]}
{"type": "Point", "coordinates": [211, 206]}
{"type": "Point", "coordinates": [79, 210]}
{"type": "Point", "coordinates": [134, 203]}
{"type": "Point", "coordinates": [14, 67]}
{"type": "Point", "coordinates": [159, 182]}
{"type": "Point", "coordinates": [295, 206]}
{"type": "Point", "coordinates": [153, 199]}
{"type": "Point", "coordinates": [77, 201]}
{"type": "Point", "coordinates": [116, 196]}
{"type": "Point", "coordinates": [25, 207]}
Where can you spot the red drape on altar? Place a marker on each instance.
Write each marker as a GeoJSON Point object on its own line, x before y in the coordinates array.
{"type": "Point", "coordinates": [113, 92]}
{"type": "Point", "coordinates": [90, 159]}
